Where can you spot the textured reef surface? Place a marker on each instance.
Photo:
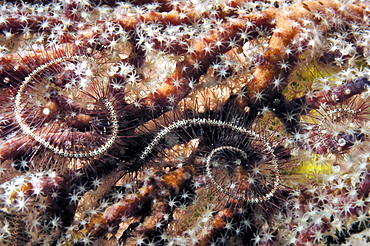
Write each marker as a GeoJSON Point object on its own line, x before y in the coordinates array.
{"type": "Point", "coordinates": [222, 122]}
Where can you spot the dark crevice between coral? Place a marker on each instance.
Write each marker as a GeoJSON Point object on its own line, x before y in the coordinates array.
{"type": "Point", "coordinates": [342, 236]}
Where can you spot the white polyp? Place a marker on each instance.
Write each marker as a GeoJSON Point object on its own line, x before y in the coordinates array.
{"type": "Point", "coordinates": [341, 142]}
{"type": "Point", "coordinates": [46, 111]}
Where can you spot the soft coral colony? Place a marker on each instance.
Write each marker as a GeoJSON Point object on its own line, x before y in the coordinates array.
{"type": "Point", "coordinates": [184, 122]}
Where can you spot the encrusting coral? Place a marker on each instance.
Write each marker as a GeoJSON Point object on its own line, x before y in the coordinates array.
{"type": "Point", "coordinates": [184, 122]}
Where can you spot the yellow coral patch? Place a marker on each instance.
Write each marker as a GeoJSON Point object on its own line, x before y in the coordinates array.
{"type": "Point", "coordinates": [317, 164]}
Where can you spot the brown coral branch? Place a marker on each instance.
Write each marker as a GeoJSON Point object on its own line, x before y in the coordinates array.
{"type": "Point", "coordinates": [321, 14]}
{"type": "Point", "coordinates": [132, 205]}
{"type": "Point", "coordinates": [217, 225]}
{"type": "Point", "coordinates": [15, 147]}
{"type": "Point", "coordinates": [338, 95]}
{"type": "Point", "coordinates": [16, 66]}
{"type": "Point", "coordinates": [197, 62]}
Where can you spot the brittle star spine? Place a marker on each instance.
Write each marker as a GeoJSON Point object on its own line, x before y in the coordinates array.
{"type": "Point", "coordinates": [342, 113]}
{"type": "Point", "coordinates": [28, 131]}
{"type": "Point", "coordinates": [219, 123]}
